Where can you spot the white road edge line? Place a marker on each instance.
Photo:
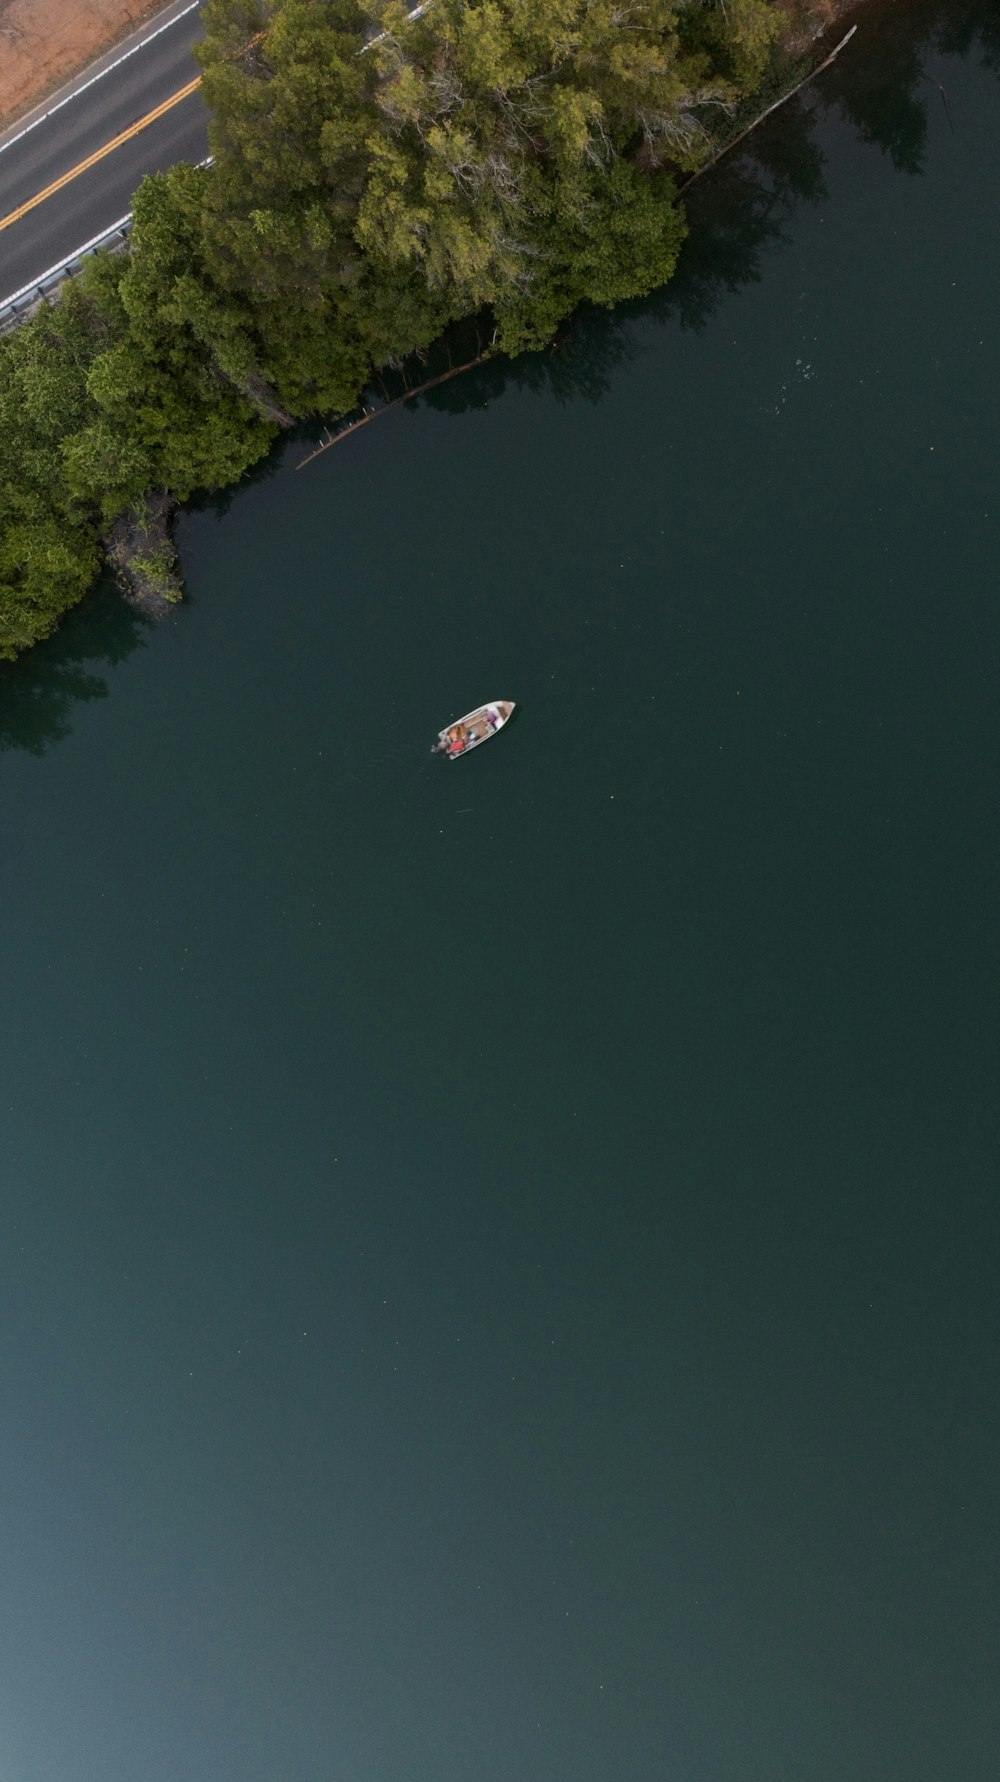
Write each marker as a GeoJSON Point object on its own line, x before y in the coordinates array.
{"type": "Point", "coordinates": [62, 265]}
{"type": "Point", "coordinates": [418, 12]}
{"type": "Point", "coordinates": [77, 254]}
{"type": "Point", "coordinates": [67, 260]}
{"type": "Point", "coordinates": [134, 51]}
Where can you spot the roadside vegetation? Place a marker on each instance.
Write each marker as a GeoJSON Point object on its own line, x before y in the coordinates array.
{"type": "Point", "coordinates": [375, 179]}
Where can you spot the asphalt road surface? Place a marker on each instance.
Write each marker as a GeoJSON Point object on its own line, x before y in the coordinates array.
{"type": "Point", "coordinates": [77, 129]}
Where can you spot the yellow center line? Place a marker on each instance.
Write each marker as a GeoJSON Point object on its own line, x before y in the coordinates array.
{"type": "Point", "coordinates": [99, 154]}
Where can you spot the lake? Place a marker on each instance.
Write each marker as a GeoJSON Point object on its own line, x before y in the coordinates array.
{"type": "Point", "coordinates": [500, 1256]}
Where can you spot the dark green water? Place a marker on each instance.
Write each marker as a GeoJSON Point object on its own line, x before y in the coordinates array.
{"type": "Point", "coordinates": [499, 1268]}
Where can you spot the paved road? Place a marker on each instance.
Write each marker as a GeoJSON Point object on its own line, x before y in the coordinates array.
{"type": "Point", "coordinates": [79, 127]}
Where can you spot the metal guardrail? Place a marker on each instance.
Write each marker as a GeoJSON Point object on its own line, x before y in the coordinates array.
{"type": "Point", "coordinates": [22, 303]}
{"type": "Point", "coordinates": [13, 309]}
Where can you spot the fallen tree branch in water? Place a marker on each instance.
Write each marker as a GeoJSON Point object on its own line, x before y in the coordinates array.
{"type": "Point", "coordinates": [369, 414]}
{"type": "Point", "coordinates": [804, 82]}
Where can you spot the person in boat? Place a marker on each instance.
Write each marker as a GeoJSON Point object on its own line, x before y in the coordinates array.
{"type": "Point", "coordinates": [457, 738]}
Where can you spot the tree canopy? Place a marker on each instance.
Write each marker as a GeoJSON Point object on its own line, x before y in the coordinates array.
{"type": "Point", "coordinates": [377, 175]}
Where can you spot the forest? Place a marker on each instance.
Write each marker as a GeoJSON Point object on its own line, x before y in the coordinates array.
{"type": "Point", "coordinates": [377, 176]}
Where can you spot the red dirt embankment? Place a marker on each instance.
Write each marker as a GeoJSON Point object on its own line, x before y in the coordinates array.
{"type": "Point", "coordinates": [43, 43]}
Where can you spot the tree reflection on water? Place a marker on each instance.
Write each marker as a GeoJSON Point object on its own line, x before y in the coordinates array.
{"type": "Point", "coordinates": [38, 693]}
{"type": "Point", "coordinates": [737, 213]}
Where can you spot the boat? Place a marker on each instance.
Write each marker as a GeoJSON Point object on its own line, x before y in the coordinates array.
{"type": "Point", "coordinates": [475, 728]}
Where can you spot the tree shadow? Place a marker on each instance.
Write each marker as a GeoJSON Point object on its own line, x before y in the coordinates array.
{"type": "Point", "coordinates": [741, 210]}
{"type": "Point", "coordinates": [965, 27]}
{"type": "Point", "coordinates": [884, 92]}
{"type": "Point", "coordinates": [266, 468]}
{"type": "Point", "coordinates": [39, 692]}
{"type": "Point", "coordinates": [736, 214]}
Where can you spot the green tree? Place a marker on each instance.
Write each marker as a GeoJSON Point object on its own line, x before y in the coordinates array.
{"type": "Point", "coordinates": [48, 540]}
{"type": "Point", "coordinates": [376, 176]}
{"type": "Point", "coordinates": [288, 136]}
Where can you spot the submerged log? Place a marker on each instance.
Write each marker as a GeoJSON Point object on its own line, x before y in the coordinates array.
{"type": "Point", "coordinates": [728, 147]}
{"type": "Point", "coordinates": [369, 414]}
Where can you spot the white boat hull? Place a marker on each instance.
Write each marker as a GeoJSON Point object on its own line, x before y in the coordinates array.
{"type": "Point", "coordinates": [475, 728]}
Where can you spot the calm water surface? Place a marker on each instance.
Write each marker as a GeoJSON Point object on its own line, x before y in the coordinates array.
{"type": "Point", "coordinates": [499, 1258]}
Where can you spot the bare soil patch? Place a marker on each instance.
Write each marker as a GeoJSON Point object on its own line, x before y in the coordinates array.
{"type": "Point", "coordinates": [43, 43]}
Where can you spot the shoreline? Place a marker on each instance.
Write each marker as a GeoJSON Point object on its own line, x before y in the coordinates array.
{"type": "Point", "coordinates": [141, 554]}
{"type": "Point", "coordinates": [353, 421]}
{"type": "Point", "coordinates": [138, 546]}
